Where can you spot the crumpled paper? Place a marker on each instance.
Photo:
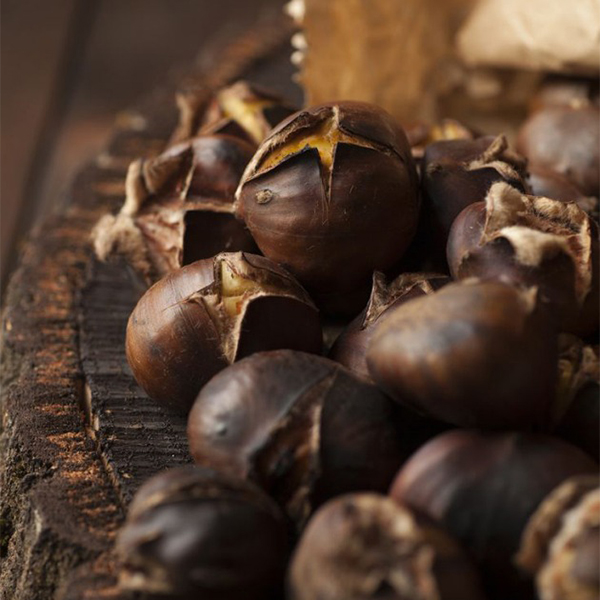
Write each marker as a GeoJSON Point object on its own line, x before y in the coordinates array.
{"type": "Point", "coordinates": [547, 35]}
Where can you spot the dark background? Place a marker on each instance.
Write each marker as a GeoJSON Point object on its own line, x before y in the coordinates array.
{"type": "Point", "coordinates": [69, 66]}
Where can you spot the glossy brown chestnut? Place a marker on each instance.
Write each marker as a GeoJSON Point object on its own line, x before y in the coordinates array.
{"type": "Point", "coordinates": [457, 173]}
{"type": "Point", "coordinates": [332, 196]}
{"type": "Point", "coordinates": [366, 546]}
{"type": "Point", "coordinates": [245, 110]}
{"type": "Point", "coordinates": [473, 354]}
{"type": "Point", "coordinates": [483, 488]}
{"type": "Point", "coordinates": [350, 348]}
{"type": "Point", "coordinates": [303, 428]}
{"type": "Point", "coordinates": [193, 533]}
{"type": "Point", "coordinates": [561, 543]}
{"type": "Point", "coordinates": [532, 241]}
{"type": "Point", "coordinates": [179, 207]}
{"type": "Point", "coordinates": [566, 140]}
{"type": "Point", "coordinates": [202, 317]}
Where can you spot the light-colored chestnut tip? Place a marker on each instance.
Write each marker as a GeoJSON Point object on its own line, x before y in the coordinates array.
{"type": "Point", "coordinates": [548, 520]}
{"type": "Point", "coordinates": [539, 228]}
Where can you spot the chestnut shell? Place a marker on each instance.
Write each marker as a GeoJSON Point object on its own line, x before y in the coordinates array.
{"type": "Point", "coordinates": [473, 354]}
{"type": "Point", "coordinates": [193, 532]}
{"type": "Point", "coordinates": [350, 348]}
{"type": "Point", "coordinates": [483, 488]}
{"type": "Point", "coordinates": [365, 546]}
{"type": "Point", "coordinates": [332, 225]}
{"type": "Point", "coordinates": [180, 333]}
{"type": "Point", "coordinates": [567, 140]}
{"type": "Point", "coordinates": [303, 427]}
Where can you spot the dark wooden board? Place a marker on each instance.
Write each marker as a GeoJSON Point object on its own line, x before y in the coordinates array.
{"type": "Point", "coordinates": [78, 435]}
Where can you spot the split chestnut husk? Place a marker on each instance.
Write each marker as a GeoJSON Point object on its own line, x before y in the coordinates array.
{"type": "Point", "coordinates": [202, 317]}
{"type": "Point", "coordinates": [178, 208]}
{"type": "Point", "coordinates": [332, 195]}
{"type": "Point", "coordinates": [532, 241]}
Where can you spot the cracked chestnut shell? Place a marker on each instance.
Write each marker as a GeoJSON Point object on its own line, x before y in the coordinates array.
{"type": "Point", "coordinates": [179, 207]}
{"type": "Point", "coordinates": [532, 241]}
{"type": "Point", "coordinates": [457, 173]}
{"type": "Point", "coordinates": [475, 354]}
{"type": "Point", "coordinates": [245, 110]}
{"type": "Point", "coordinates": [332, 195]}
{"type": "Point", "coordinates": [193, 533]}
{"type": "Point", "coordinates": [567, 140]}
{"type": "Point", "coordinates": [201, 318]}
{"type": "Point", "coordinates": [302, 427]}
{"type": "Point", "coordinates": [560, 545]}
{"type": "Point", "coordinates": [366, 546]}
{"type": "Point", "coordinates": [350, 348]}
{"type": "Point", "coordinates": [483, 488]}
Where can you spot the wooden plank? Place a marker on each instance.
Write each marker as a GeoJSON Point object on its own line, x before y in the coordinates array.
{"type": "Point", "coordinates": [69, 466]}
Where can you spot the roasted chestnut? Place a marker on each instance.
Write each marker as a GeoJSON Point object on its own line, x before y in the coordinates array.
{"type": "Point", "coordinates": [550, 184]}
{"type": "Point", "coordinates": [561, 90]}
{"type": "Point", "coordinates": [193, 532]}
{"type": "Point", "coordinates": [303, 428]}
{"type": "Point", "coordinates": [420, 135]}
{"type": "Point", "coordinates": [576, 416]}
{"type": "Point", "coordinates": [457, 173]}
{"type": "Point", "coordinates": [483, 488]}
{"type": "Point", "coordinates": [473, 354]}
{"type": "Point", "coordinates": [366, 546]}
{"type": "Point", "coordinates": [179, 207]}
{"type": "Point", "coordinates": [332, 196]}
{"type": "Point", "coordinates": [350, 348]}
{"type": "Point", "coordinates": [245, 110]}
{"type": "Point", "coordinates": [531, 241]}
{"type": "Point", "coordinates": [567, 140]}
{"type": "Point", "coordinates": [561, 543]}
{"type": "Point", "coordinates": [202, 317]}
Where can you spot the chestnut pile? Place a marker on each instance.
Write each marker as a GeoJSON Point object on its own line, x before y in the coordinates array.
{"type": "Point", "coordinates": [387, 352]}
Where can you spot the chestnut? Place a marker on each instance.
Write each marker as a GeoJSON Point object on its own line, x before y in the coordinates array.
{"type": "Point", "coordinates": [483, 488]}
{"type": "Point", "coordinates": [474, 354]}
{"type": "Point", "coordinates": [551, 184]}
{"type": "Point", "coordinates": [366, 546]}
{"type": "Point", "coordinates": [532, 241]}
{"type": "Point", "coordinates": [332, 195]}
{"type": "Point", "coordinates": [457, 173]}
{"type": "Point", "coordinates": [179, 207]}
{"type": "Point", "coordinates": [204, 316]}
{"type": "Point", "coordinates": [561, 90]}
{"type": "Point", "coordinates": [421, 135]}
{"type": "Point", "coordinates": [245, 110]}
{"type": "Point", "coordinates": [302, 427]}
{"type": "Point", "coordinates": [566, 140]}
{"type": "Point", "coordinates": [576, 415]}
{"type": "Point", "coordinates": [193, 532]}
{"type": "Point", "coordinates": [560, 545]}
{"type": "Point", "coordinates": [350, 348]}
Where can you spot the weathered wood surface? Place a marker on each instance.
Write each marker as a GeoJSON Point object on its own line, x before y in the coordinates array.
{"type": "Point", "coordinates": [78, 435]}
